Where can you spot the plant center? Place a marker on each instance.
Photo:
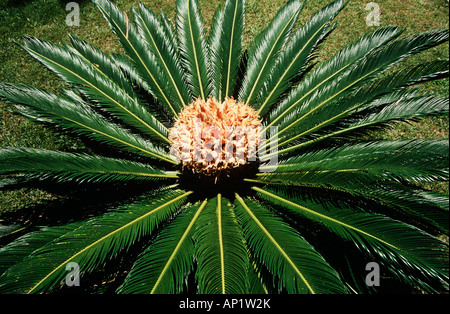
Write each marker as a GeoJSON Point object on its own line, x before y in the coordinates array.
{"type": "Point", "coordinates": [216, 141]}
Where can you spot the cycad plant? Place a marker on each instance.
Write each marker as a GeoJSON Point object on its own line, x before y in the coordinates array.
{"type": "Point", "coordinates": [242, 169]}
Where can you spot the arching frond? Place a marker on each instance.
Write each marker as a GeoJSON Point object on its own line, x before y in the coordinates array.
{"type": "Point", "coordinates": [359, 164]}
{"type": "Point", "coordinates": [221, 254]}
{"type": "Point", "coordinates": [89, 245]}
{"type": "Point", "coordinates": [22, 247]}
{"type": "Point", "coordinates": [372, 98]}
{"type": "Point", "coordinates": [293, 60]}
{"type": "Point", "coordinates": [265, 49]}
{"type": "Point", "coordinates": [331, 71]}
{"type": "Point", "coordinates": [165, 51]}
{"type": "Point", "coordinates": [74, 114]}
{"type": "Point", "coordinates": [82, 168]}
{"type": "Point", "coordinates": [376, 171]}
{"type": "Point", "coordinates": [144, 60]}
{"type": "Point", "coordinates": [93, 80]}
{"type": "Point", "coordinates": [391, 108]}
{"type": "Point", "coordinates": [226, 45]}
{"type": "Point", "coordinates": [296, 264]}
{"type": "Point", "coordinates": [406, 251]}
{"type": "Point", "coordinates": [193, 47]}
{"type": "Point", "coordinates": [162, 267]}
{"type": "Point", "coordinates": [379, 61]}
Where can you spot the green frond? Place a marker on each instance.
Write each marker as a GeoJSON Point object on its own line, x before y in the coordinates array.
{"type": "Point", "coordinates": [298, 267]}
{"type": "Point", "coordinates": [169, 31]}
{"type": "Point", "coordinates": [373, 64]}
{"type": "Point", "coordinates": [424, 208]}
{"type": "Point", "coordinates": [162, 267]}
{"type": "Point", "coordinates": [102, 62]}
{"type": "Point", "coordinates": [143, 90]}
{"type": "Point", "coordinates": [225, 45]}
{"type": "Point", "coordinates": [407, 76]}
{"type": "Point", "coordinates": [255, 284]}
{"type": "Point", "coordinates": [144, 60]}
{"type": "Point", "coordinates": [97, 85]}
{"type": "Point", "coordinates": [330, 71]}
{"type": "Point", "coordinates": [405, 250]}
{"type": "Point", "coordinates": [135, 112]}
{"type": "Point", "coordinates": [165, 51]}
{"type": "Point", "coordinates": [265, 50]}
{"type": "Point", "coordinates": [21, 248]}
{"type": "Point", "coordinates": [81, 168]}
{"type": "Point", "coordinates": [366, 170]}
{"type": "Point", "coordinates": [91, 244]}
{"type": "Point", "coordinates": [359, 164]}
{"type": "Point", "coordinates": [431, 208]}
{"type": "Point", "coordinates": [293, 60]}
{"type": "Point", "coordinates": [193, 47]}
{"type": "Point", "coordinates": [369, 98]}
{"type": "Point", "coordinates": [74, 114]}
{"type": "Point", "coordinates": [393, 107]}
{"type": "Point", "coordinates": [220, 251]}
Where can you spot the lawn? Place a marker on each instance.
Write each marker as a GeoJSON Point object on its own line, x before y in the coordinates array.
{"type": "Point", "coordinates": [46, 19]}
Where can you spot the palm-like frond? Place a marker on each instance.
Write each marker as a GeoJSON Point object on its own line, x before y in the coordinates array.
{"type": "Point", "coordinates": [72, 113]}
{"type": "Point", "coordinates": [379, 103]}
{"type": "Point", "coordinates": [331, 71]}
{"type": "Point", "coordinates": [386, 110]}
{"type": "Point", "coordinates": [359, 164]}
{"type": "Point", "coordinates": [146, 63]}
{"type": "Point", "coordinates": [225, 45]}
{"type": "Point", "coordinates": [96, 82]}
{"type": "Point", "coordinates": [163, 266]}
{"type": "Point", "coordinates": [379, 61]}
{"type": "Point", "coordinates": [88, 245]}
{"type": "Point", "coordinates": [293, 60]}
{"type": "Point", "coordinates": [266, 49]}
{"type": "Point", "coordinates": [81, 168]}
{"type": "Point", "coordinates": [221, 254]}
{"type": "Point", "coordinates": [300, 219]}
{"type": "Point", "coordinates": [366, 169]}
{"type": "Point", "coordinates": [193, 47]}
{"type": "Point", "coordinates": [165, 51]}
{"type": "Point", "coordinates": [375, 234]}
{"type": "Point", "coordinates": [297, 266]}
{"type": "Point", "coordinates": [22, 248]}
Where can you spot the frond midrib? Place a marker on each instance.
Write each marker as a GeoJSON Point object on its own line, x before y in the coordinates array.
{"type": "Point", "coordinates": [172, 80]}
{"type": "Point", "coordinates": [179, 244]}
{"type": "Point", "coordinates": [103, 238]}
{"type": "Point", "coordinates": [275, 243]}
{"type": "Point", "coordinates": [310, 211]}
{"type": "Point", "coordinates": [164, 138]}
{"type": "Point", "coordinates": [143, 64]}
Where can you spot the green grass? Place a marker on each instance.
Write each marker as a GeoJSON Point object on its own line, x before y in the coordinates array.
{"type": "Point", "coordinates": [45, 19]}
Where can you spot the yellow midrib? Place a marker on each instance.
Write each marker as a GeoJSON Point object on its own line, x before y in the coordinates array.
{"type": "Point", "coordinates": [104, 94]}
{"type": "Point", "coordinates": [323, 216]}
{"type": "Point", "coordinates": [121, 141]}
{"type": "Point", "coordinates": [165, 65]}
{"type": "Point", "coordinates": [219, 223]}
{"type": "Point", "coordinates": [268, 57]}
{"type": "Point", "coordinates": [230, 50]}
{"type": "Point", "coordinates": [288, 69]}
{"type": "Point", "coordinates": [275, 243]}
{"type": "Point", "coordinates": [195, 53]}
{"type": "Point", "coordinates": [144, 65]}
{"type": "Point", "coordinates": [177, 248]}
{"type": "Point", "coordinates": [105, 237]}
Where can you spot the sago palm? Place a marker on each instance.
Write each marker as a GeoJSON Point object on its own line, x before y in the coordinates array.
{"type": "Point", "coordinates": [243, 169]}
